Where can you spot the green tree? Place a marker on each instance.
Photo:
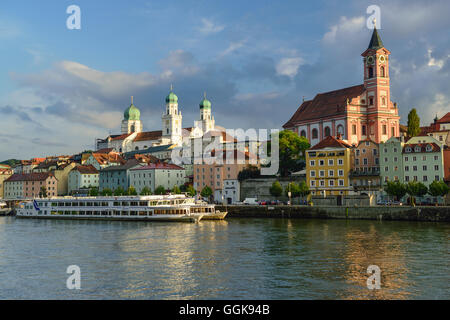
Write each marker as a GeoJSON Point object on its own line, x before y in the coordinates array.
{"type": "Point", "coordinates": [183, 188]}
{"type": "Point", "coordinates": [176, 190]}
{"type": "Point", "coordinates": [132, 191]}
{"type": "Point", "coordinates": [106, 192]}
{"type": "Point", "coordinates": [43, 192]}
{"type": "Point", "coordinates": [206, 192]}
{"type": "Point", "coordinates": [416, 189]}
{"type": "Point", "coordinates": [438, 189]}
{"type": "Point", "coordinates": [292, 149]}
{"type": "Point", "coordinates": [191, 191]}
{"type": "Point", "coordinates": [146, 191]}
{"type": "Point", "coordinates": [413, 123]}
{"type": "Point", "coordinates": [119, 191]}
{"type": "Point", "coordinates": [294, 189]}
{"type": "Point", "coordinates": [276, 189]}
{"type": "Point", "coordinates": [160, 190]}
{"type": "Point", "coordinates": [304, 189]}
{"type": "Point", "coordinates": [395, 189]}
{"type": "Point", "coordinates": [93, 191]}
{"type": "Point", "coordinates": [249, 172]}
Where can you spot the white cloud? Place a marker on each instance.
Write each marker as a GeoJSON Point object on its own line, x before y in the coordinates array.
{"type": "Point", "coordinates": [209, 27]}
{"type": "Point", "coordinates": [289, 66]}
{"type": "Point", "coordinates": [232, 47]}
{"type": "Point", "coordinates": [345, 28]}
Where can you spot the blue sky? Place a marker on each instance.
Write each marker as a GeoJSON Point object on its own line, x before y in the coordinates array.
{"type": "Point", "coordinates": [60, 89]}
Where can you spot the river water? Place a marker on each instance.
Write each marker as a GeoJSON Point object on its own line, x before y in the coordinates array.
{"type": "Point", "coordinates": [232, 259]}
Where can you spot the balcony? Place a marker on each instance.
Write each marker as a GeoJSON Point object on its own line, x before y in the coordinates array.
{"type": "Point", "coordinates": [365, 172]}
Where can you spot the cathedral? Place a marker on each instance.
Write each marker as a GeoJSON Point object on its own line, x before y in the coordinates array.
{"type": "Point", "coordinates": [356, 113]}
{"type": "Point", "coordinates": [133, 138]}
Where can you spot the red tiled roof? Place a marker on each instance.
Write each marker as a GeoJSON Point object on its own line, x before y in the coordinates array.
{"type": "Point", "coordinates": [103, 158]}
{"type": "Point", "coordinates": [149, 135]}
{"type": "Point", "coordinates": [120, 137]}
{"type": "Point", "coordinates": [159, 165]}
{"type": "Point", "coordinates": [104, 150]}
{"type": "Point", "coordinates": [445, 118]}
{"type": "Point", "coordinates": [423, 146]}
{"type": "Point", "coordinates": [331, 142]}
{"type": "Point", "coordinates": [90, 169]}
{"type": "Point", "coordinates": [325, 105]}
{"type": "Point", "coordinates": [30, 177]}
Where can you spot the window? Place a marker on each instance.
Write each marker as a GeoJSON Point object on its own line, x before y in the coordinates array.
{"type": "Point", "coordinates": [436, 167]}
{"type": "Point", "coordinates": [303, 133]}
{"type": "Point", "coordinates": [340, 173]}
{"type": "Point", "coordinates": [436, 178]}
{"type": "Point", "coordinates": [330, 162]}
{"type": "Point", "coordinates": [406, 168]}
{"type": "Point", "coordinates": [363, 130]}
{"type": "Point", "coordinates": [382, 72]}
{"type": "Point", "coordinates": [424, 168]}
{"type": "Point", "coordinates": [384, 129]}
{"type": "Point", "coordinates": [357, 152]}
{"type": "Point", "coordinates": [353, 129]}
{"type": "Point", "coordinates": [314, 133]}
{"type": "Point", "coordinates": [370, 72]}
{"type": "Point", "coordinates": [406, 178]}
{"type": "Point", "coordinates": [341, 182]}
{"type": "Point", "coordinates": [357, 162]}
{"type": "Point", "coordinates": [331, 183]}
{"type": "Point", "coordinates": [406, 159]}
{"type": "Point", "coordinates": [425, 178]}
{"type": "Point", "coordinates": [321, 162]}
{"type": "Point", "coordinates": [313, 183]}
{"type": "Point", "coordinates": [414, 168]}
{"type": "Point", "coordinates": [340, 129]}
{"type": "Point", "coordinates": [327, 131]}
{"type": "Point", "coordinates": [371, 101]}
{"type": "Point", "coordinates": [340, 162]}
{"type": "Point", "coordinates": [312, 173]}
{"type": "Point", "coordinates": [321, 173]}
{"type": "Point", "coordinates": [365, 161]}
{"type": "Point", "coordinates": [312, 163]}
{"type": "Point", "coordinates": [331, 173]}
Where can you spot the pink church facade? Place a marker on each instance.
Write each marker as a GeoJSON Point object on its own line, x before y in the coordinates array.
{"type": "Point", "coordinates": [356, 113]}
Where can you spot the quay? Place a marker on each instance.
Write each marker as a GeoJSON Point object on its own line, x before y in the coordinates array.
{"type": "Point", "coordinates": [400, 213]}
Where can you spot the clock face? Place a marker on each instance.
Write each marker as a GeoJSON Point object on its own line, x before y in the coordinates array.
{"type": "Point", "coordinates": [370, 60]}
{"type": "Point", "coordinates": [382, 59]}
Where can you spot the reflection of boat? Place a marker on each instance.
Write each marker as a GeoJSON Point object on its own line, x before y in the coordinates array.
{"type": "Point", "coordinates": [134, 208]}
{"type": "Point", "coordinates": [217, 215]}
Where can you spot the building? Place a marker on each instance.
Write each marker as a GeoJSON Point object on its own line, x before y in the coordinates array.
{"type": "Point", "coordinates": [328, 166]}
{"type": "Point", "coordinates": [82, 177]}
{"type": "Point", "coordinates": [5, 173]}
{"type": "Point", "coordinates": [439, 129]}
{"type": "Point", "coordinates": [154, 175]}
{"type": "Point", "coordinates": [162, 153]}
{"type": "Point", "coordinates": [356, 113]}
{"type": "Point", "coordinates": [365, 175]}
{"type": "Point", "coordinates": [113, 177]}
{"type": "Point", "coordinates": [29, 185]}
{"type": "Point", "coordinates": [221, 165]}
{"type": "Point", "coordinates": [104, 160]}
{"type": "Point", "coordinates": [133, 138]}
{"type": "Point", "coordinates": [391, 160]}
{"type": "Point", "coordinates": [423, 160]}
{"type": "Point", "coordinates": [231, 190]}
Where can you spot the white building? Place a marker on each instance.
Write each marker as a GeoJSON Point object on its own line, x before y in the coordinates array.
{"type": "Point", "coordinates": [82, 177]}
{"type": "Point", "coordinates": [155, 175]}
{"type": "Point", "coordinates": [231, 191]}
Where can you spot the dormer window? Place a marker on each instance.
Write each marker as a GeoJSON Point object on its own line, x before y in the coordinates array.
{"type": "Point", "coordinates": [417, 149]}
{"type": "Point", "coordinates": [429, 148]}
{"type": "Point", "coordinates": [408, 149]}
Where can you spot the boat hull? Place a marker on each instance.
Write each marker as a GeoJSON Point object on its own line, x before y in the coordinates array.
{"type": "Point", "coordinates": [215, 216]}
{"type": "Point", "coordinates": [192, 218]}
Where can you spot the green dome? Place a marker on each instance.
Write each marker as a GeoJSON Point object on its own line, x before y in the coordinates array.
{"type": "Point", "coordinates": [132, 113]}
{"type": "Point", "coordinates": [205, 104]}
{"type": "Point", "coordinates": [172, 98]}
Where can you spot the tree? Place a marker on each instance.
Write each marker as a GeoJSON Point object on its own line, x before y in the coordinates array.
{"type": "Point", "coordinates": [304, 189]}
{"type": "Point", "coordinates": [413, 123]}
{"type": "Point", "coordinates": [395, 189]}
{"type": "Point", "coordinates": [131, 191]}
{"type": "Point", "coordinates": [106, 192]}
{"type": "Point", "coordinates": [416, 189]}
{"type": "Point", "coordinates": [43, 192]}
{"type": "Point", "coordinates": [438, 189]}
{"type": "Point", "coordinates": [249, 172]}
{"type": "Point", "coordinates": [191, 191]}
{"type": "Point", "coordinates": [276, 189]}
{"type": "Point", "coordinates": [93, 191]}
{"type": "Point", "coordinates": [160, 190]}
{"type": "Point", "coordinates": [176, 190]}
{"type": "Point", "coordinates": [119, 191]}
{"type": "Point", "coordinates": [206, 192]}
{"type": "Point", "coordinates": [292, 149]}
{"type": "Point", "coordinates": [294, 189]}
{"type": "Point", "coordinates": [146, 191]}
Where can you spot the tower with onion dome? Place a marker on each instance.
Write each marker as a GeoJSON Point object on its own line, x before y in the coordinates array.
{"type": "Point", "coordinates": [206, 121]}
{"type": "Point", "coordinates": [131, 120]}
{"type": "Point", "coordinates": [172, 120]}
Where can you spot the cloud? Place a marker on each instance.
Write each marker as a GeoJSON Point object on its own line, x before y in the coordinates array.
{"type": "Point", "coordinates": [209, 27]}
{"type": "Point", "coordinates": [232, 48]}
{"type": "Point", "coordinates": [289, 66]}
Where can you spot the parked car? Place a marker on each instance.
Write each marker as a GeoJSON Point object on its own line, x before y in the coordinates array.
{"type": "Point", "coordinates": [263, 203]}
{"type": "Point", "coordinates": [250, 201]}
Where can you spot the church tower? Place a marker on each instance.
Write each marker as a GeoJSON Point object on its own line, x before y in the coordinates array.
{"type": "Point", "coordinates": [207, 121]}
{"type": "Point", "coordinates": [172, 120]}
{"type": "Point", "coordinates": [131, 120]}
{"type": "Point", "coordinates": [382, 114]}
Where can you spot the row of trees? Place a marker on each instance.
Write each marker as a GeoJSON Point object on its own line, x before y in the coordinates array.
{"type": "Point", "coordinates": [296, 190]}
{"type": "Point", "coordinates": [146, 191]}
{"type": "Point", "coordinates": [415, 189]}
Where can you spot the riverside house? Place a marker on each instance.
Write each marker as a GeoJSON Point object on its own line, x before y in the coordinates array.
{"type": "Point", "coordinates": [82, 177]}
{"type": "Point", "coordinates": [157, 174]}
{"type": "Point", "coordinates": [28, 186]}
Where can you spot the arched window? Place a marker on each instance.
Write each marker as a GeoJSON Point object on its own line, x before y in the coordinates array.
{"type": "Point", "coordinates": [132, 128]}
{"type": "Point", "coordinates": [382, 72]}
{"type": "Point", "coordinates": [327, 131]}
{"type": "Point", "coordinates": [303, 133]}
{"type": "Point", "coordinates": [370, 72]}
{"type": "Point", "coordinates": [314, 133]}
{"type": "Point", "coordinates": [137, 148]}
{"type": "Point", "coordinates": [340, 129]}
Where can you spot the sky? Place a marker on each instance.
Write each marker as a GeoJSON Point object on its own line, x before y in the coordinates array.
{"type": "Point", "coordinates": [61, 89]}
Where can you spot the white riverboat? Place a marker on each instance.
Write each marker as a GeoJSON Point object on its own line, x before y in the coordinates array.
{"type": "Point", "coordinates": [136, 208]}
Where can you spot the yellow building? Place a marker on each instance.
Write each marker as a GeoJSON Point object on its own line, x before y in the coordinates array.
{"type": "Point", "coordinates": [5, 173]}
{"type": "Point", "coordinates": [328, 165]}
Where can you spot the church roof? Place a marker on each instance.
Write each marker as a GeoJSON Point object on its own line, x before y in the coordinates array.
{"type": "Point", "coordinates": [148, 135]}
{"type": "Point", "coordinates": [325, 105]}
{"type": "Point", "coordinates": [375, 41]}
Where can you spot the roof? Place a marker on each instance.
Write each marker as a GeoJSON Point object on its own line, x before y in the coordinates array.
{"type": "Point", "coordinates": [149, 135]}
{"type": "Point", "coordinates": [160, 165]}
{"type": "Point", "coordinates": [103, 158]}
{"type": "Point", "coordinates": [150, 150]}
{"type": "Point", "coordinates": [375, 41]}
{"type": "Point", "coordinates": [120, 137]}
{"type": "Point", "coordinates": [47, 165]}
{"type": "Point", "coordinates": [325, 105]}
{"type": "Point", "coordinates": [445, 118]}
{"type": "Point", "coordinates": [90, 169]}
{"type": "Point", "coordinates": [331, 142]}
{"type": "Point", "coordinates": [104, 150]}
{"type": "Point", "coordinates": [423, 146]}
{"type": "Point", "coordinates": [128, 165]}
{"type": "Point", "coordinates": [30, 177]}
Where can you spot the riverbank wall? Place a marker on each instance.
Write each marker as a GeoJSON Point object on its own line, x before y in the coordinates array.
{"type": "Point", "coordinates": [405, 213]}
